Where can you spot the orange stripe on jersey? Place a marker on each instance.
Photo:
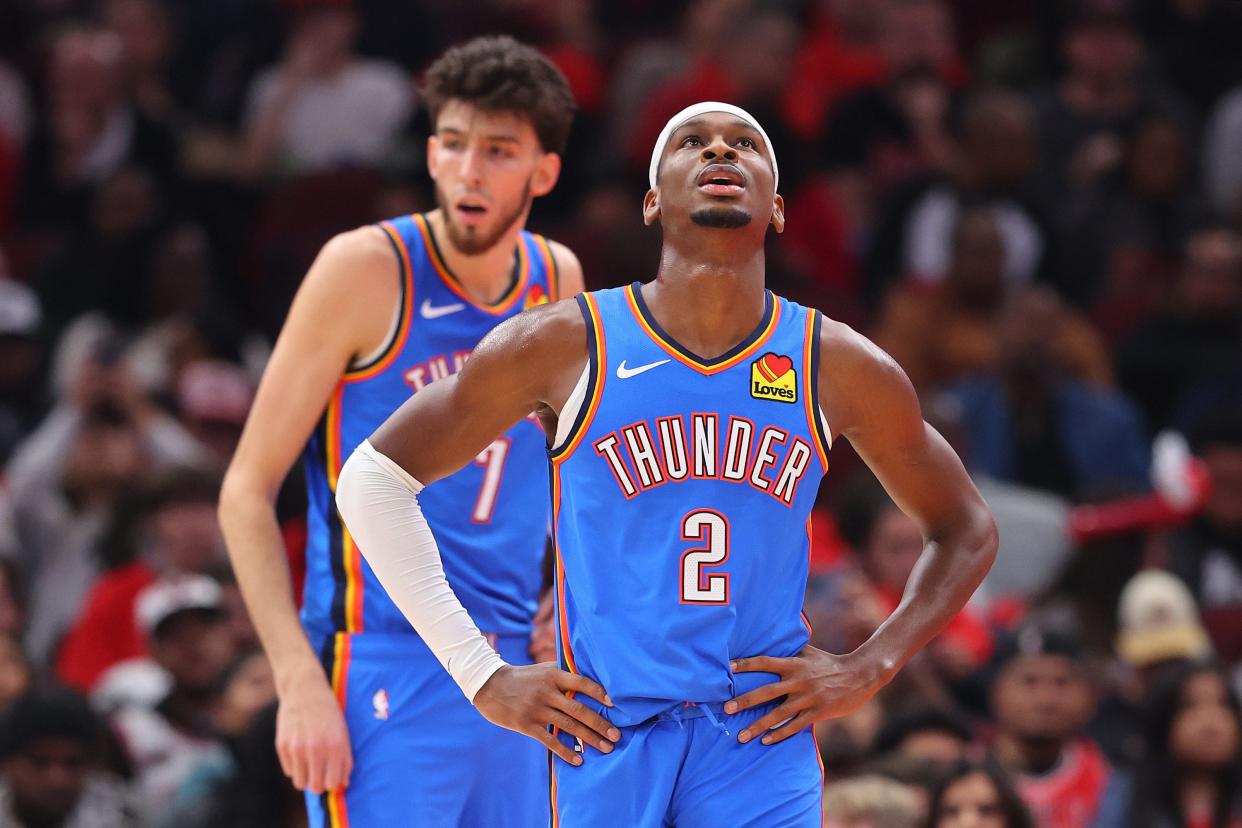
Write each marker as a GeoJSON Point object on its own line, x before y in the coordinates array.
{"type": "Point", "coordinates": [338, 815]}
{"type": "Point", "coordinates": [676, 354]}
{"type": "Point", "coordinates": [407, 313]}
{"type": "Point", "coordinates": [809, 391]}
{"type": "Point", "coordinates": [501, 305]}
{"type": "Point", "coordinates": [556, 817]}
{"type": "Point", "coordinates": [549, 267]}
{"type": "Point", "coordinates": [332, 435]}
{"type": "Point", "coordinates": [354, 583]}
{"type": "Point", "coordinates": [566, 649]}
{"type": "Point", "coordinates": [601, 368]}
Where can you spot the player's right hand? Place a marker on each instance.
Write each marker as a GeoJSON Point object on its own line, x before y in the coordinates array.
{"type": "Point", "coordinates": [311, 738]}
{"type": "Point", "coordinates": [528, 699]}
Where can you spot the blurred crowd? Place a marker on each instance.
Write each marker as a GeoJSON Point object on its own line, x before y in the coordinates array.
{"type": "Point", "coordinates": [1035, 206]}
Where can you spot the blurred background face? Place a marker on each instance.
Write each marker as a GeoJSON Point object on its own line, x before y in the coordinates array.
{"type": "Point", "coordinates": [142, 26]}
{"type": "Point", "coordinates": [1205, 731]}
{"type": "Point", "coordinates": [46, 779]}
{"type": "Point", "coordinates": [999, 140]}
{"type": "Point", "coordinates": [14, 671]}
{"type": "Point", "coordinates": [971, 802]}
{"type": "Point", "coordinates": [104, 459]}
{"type": "Point", "coordinates": [1041, 698]}
{"type": "Point", "coordinates": [1103, 52]}
{"type": "Point", "coordinates": [976, 272]}
{"type": "Point", "coordinates": [1158, 160]}
{"type": "Point", "coordinates": [937, 746]}
{"type": "Point", "coordinates": [1029, 328]}
{"type": "Point", "coordinates": [85, 72]}
{"type": "Point", "coordinates": [1210, 283]}
{"type": "Point", "coordinates": [760, 54]}
{"type": "Point", "coordinates": [1224, 506]}
{"type": "Point", "coordinates": [892, 549]}
{"type": "Point", "coordinates": [916, 33]}
{"type": "Point", "coordinates": [483, 164]}
{"type": "Point", "coordinates": [330, 33]}
{"type": "Point", "coordinates": [186, 536]}
{"type": "Point", "coordinates": [194, 647]}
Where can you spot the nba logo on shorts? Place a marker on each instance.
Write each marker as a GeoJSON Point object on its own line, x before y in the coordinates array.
{"type": "Point", "coordinates": [773, 378]}
{"type": "Point", "coordinates": [380, 702]}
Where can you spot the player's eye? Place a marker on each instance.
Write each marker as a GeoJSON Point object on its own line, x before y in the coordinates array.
{"type": "Point", "coordinates": [748, 143]}
{"type": "Point", "coordinates": [691, 141]}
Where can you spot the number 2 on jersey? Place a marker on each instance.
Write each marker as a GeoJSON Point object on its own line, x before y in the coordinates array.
{"type": "Point", "coordinates": [492, 459]}
{"type": "Point", "coordinates": [712, 529]}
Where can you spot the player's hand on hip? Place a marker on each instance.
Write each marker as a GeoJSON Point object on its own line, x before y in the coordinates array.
{"type": "Point", "coordinates": [815, 685]}
{"type": "Point", "coordinates": [528, 699]}
{"type": "Point", "coordinates": [543, 638]}
{"type": "Point", "coordinates": [311, 738]}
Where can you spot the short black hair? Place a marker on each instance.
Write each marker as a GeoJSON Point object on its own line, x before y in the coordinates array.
{"type": "Point", "coordinates": [499, 74]}
{"type": "Point", "coordinates": [920, 719]}
{"type": "Point", "coordinates": [48, 713]}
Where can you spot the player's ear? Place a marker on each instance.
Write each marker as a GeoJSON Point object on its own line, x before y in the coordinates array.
{"type": "Point", "coordinates": [547, 171]}
{"type": "Point", "coordinates": [778, 213]}
{"type": "Point", "coordinates": [651, 207]}
{"type": "Point", "coordinates": [433, 158]}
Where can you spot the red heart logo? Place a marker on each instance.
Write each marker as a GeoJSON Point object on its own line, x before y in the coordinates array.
{"type": "Point", "coordinates": [774, 367]}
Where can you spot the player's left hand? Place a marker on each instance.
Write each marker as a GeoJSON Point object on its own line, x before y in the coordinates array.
{"type": "Point", "coordinates": [816, 686]}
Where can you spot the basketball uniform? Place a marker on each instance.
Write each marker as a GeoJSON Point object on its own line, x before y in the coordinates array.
{"type": "Point", "coordinates": [422, 754]}
{"type": "Point", "coordinates": [681, 500]}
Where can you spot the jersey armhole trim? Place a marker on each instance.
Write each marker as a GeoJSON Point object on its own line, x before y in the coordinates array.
{"type": "Point", "coordinates": [596, 364]}
{"type": "Point", "coordinates": [379, 359]}
{"type": "Point", "coordinates": [552, 269]}
{"type": "Point", "coordinates": [816, 420]}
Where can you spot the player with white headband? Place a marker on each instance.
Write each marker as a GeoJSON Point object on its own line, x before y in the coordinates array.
{"type": "Point", "coordinates": [689, 420]}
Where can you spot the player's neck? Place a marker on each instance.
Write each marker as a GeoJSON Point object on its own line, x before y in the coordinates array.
{"type": "Point", "coordinates": [707, 306]}
{"type": "Point", "coordinates": [487, 275]}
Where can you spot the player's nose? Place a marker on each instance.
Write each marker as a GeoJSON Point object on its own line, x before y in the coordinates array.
{"type": "Point", "coordinates": [718, 147]}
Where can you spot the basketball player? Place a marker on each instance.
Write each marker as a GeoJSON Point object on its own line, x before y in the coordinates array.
{"type": "Point", "coordinates": [690, 419]}
{"type": "Point", "coordinates": [369, 724]}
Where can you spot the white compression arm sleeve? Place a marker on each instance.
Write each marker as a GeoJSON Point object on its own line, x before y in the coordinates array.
{"type": "Point", "coordinates": [379, 502]}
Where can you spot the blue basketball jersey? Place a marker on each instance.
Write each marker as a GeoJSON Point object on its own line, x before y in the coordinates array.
{"type": "Point", "coordinates": [681, 505]}
{"type": "Point", "coordinates": [491, 518]}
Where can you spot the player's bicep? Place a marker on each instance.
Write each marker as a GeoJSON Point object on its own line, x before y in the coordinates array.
{"type": "Point", "coordinates": [344, 300]}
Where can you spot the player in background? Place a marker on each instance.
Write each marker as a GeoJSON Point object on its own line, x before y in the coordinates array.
{"type": "Point", "coordinates": [369, 725]}
{"type": "Point", "coordinates": [690, 420]}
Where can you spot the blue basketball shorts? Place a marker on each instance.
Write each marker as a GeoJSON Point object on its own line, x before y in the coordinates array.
{"type": "Point", "coordinates": [423, 756]}
{"type": "Point", "coordinates": [686, 769]}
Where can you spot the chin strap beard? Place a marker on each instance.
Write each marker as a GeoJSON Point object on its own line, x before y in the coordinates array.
{"type": "Point", "coordinates": [727, 218]}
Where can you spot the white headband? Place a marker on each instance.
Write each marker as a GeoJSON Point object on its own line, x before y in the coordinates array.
{"type": "Point", "coordinates": [698, 109]}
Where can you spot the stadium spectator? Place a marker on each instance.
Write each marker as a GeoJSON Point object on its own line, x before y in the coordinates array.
{"type": "Point", "coordinates": [992, 159]}
{"type": "Point", "coordinates": [1207, 554]}
{"type": "Point", "coordinates": [168, 744]}
{"type": "Point", "coordinates": [977, 795]}
{"type": "Point", "coordinates": [170, 528]}
{"type": "Point", "coordinates": [1190, 777]}
{"type": "Point", "coordinates": [22, 401]}
{"type": "Point", "coordinates": [934, 734]}
{"type": "Point", "coordinates": [1196, 339]}
{"type": "Point", "coordinates": [1041, 700]}
{"type": "Point", "coordinates": [943, 332]}
{"type": "Point", "coordinates": [50, 754]}
{"type": "Point", "coordinates": [870, 802]}
{"type": "Point", "coordinates": [323, 107]}
{"type": "Point", "coordinates": [1030, 424]}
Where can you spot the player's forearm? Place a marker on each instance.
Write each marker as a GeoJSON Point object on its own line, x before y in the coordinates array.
{"type": "Point", "coordinates": [379, 503]}
{"type": "Point", "coordinates": [257, 550]}
{"type": "Point", "coordinates": [951, 568]}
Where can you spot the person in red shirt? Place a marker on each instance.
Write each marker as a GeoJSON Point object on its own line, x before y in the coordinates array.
{"type": "Point", "coordinates": [1041, 699]}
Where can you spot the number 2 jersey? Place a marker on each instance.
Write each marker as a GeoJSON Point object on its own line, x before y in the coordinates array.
{"type": "Point", "coordinates": [490, 519]}
{"type": "Point", "coordinates": [681, 500]}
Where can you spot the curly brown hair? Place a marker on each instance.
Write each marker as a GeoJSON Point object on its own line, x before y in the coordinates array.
{"type": "Point", "coordinates": [499, 74]}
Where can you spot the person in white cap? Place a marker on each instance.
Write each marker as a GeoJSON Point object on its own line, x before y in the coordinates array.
{"type": "Point", "coordinates": [689, 421]}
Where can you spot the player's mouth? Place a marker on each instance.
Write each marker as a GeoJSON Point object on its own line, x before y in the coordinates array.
{"type": "Point", "coordinates": [470, 210]}
{"type": "Point", "coordinates": [722, 180]}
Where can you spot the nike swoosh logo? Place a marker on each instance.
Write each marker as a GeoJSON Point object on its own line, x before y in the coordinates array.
{"type": "Point", "coordinates": [626, 373]}
{"type": "Point", "coordinates": [430, 311]}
